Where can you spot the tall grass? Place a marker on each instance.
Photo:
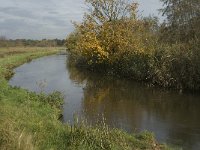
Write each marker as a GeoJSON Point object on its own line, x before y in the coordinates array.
{"type": "Point", "coordinates": [177, 66]}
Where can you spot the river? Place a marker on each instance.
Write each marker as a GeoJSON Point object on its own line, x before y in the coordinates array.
{"type": "Point", "coordinates": [173, 117]}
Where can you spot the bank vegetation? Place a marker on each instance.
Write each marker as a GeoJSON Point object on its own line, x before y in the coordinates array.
{"type": "Point", "coordinates": [30, 121]}
{"type": "Point", "coordinates": [113, 39]}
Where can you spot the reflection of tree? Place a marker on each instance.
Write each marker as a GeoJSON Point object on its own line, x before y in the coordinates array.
{"type": "Point", "coordinates": [131, 105]}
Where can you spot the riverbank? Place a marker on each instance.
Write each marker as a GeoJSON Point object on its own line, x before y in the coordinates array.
{"type": "Point", "coordinates": [30, 121]}
{"type": "Point", "coordinates": [138, 48]}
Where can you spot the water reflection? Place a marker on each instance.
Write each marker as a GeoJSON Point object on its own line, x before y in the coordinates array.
{"type": "Point", "coordinates": [173, 117]}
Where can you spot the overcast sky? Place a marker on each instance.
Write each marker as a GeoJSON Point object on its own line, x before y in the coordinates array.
{"type": "Point", "coordinates": [38, 19]}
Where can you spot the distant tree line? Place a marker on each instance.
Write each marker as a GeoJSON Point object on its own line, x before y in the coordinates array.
{"type": "Point", "coordinates": [4, 42]}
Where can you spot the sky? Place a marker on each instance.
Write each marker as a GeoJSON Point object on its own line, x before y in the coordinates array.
{"type": "Point", "coordinates": [50, 19]}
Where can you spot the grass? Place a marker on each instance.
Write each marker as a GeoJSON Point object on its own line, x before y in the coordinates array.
{"type": "Point", "coordinates": [30, 121]}
{"type": "Point", "coordinates": [12, 57]}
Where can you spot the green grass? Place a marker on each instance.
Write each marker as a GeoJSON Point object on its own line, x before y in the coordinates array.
{"type": "Point", "coordinates": [30, 121]}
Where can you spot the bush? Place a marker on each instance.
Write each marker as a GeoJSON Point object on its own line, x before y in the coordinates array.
{"type": "Point", "coordinates": [178, 66]}
{"type": "Point", "coordinates": [126, 46]}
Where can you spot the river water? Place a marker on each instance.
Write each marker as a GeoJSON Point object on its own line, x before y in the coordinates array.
{"type": "Point", "coordinates": [173, 117]}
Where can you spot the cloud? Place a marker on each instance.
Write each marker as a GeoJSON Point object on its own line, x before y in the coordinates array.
{"type": "Point", "coordinates": [38, 19]}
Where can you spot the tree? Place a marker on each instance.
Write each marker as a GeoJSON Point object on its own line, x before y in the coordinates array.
{"type": "Point", "coordinates": [183, 19]}
{"type": "Point", "coordinates": [110, 31]}
{"type": "Point", "coordinates": [3, 38]}
{"type": "Point", "coordinates": [101, 11]}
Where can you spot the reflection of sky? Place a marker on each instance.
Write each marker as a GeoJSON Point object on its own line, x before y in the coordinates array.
{"type": "Point", "coordinates": [173, 117]}
{"type": "Point", "coordinates": [37, 19]}
{"type": "Point", "coordinates": [51, 77]}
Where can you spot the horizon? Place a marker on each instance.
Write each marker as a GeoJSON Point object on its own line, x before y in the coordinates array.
{"type": "Point", "coordinates": [42, 19]}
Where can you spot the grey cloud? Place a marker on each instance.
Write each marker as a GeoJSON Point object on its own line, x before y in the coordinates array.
{"type": "Point", "coordinates": [37, 19]}
{"type": "Point", "coordinates": [53, 12]}
{"type": "Point", "coordinates": [17, 12]}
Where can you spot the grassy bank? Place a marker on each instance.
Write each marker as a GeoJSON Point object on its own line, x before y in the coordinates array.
{"type": "Point", "coordinates": [30, 121]}
{"type": "Point", "coordinates": [15, 56]}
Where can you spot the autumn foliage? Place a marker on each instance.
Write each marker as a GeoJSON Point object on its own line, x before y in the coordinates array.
{"type": "Point", "coordinates": [104, 37]}
{"type": "Point", "coordinates": [114, 40]}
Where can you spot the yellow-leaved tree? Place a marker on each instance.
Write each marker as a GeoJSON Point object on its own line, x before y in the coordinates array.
{"type": "Point", "coordinates": [111, 33]}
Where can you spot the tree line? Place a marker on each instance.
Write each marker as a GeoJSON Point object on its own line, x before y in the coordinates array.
{"type": "Point", "coordinates": [4, 42]}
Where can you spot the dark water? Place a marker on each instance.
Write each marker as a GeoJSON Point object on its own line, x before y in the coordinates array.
{"type": "Point", "coordinates": [173, 117]}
